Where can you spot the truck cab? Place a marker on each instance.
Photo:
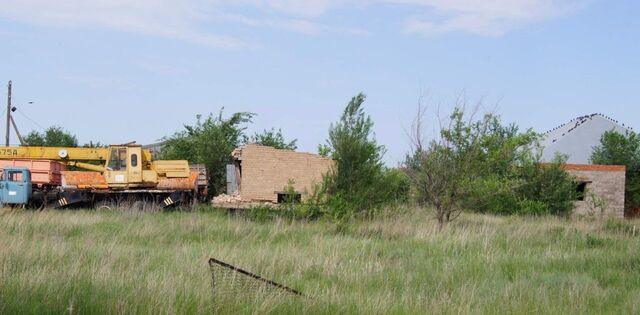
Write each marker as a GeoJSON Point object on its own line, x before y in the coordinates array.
{"type": "Point", "coordinates": [15, 186]}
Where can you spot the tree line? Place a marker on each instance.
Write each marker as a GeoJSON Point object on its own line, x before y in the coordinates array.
{"type": "Point", "coordinates": [475, 162]}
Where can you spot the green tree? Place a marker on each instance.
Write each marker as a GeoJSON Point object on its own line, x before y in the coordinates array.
{"type": "Point", "coordinates": [442, 169]}
{"type": "Point", "coordinates": [324, 150]}
{"type": "Point", "coordinates": [622, 149]}
{"type": "Point", "coordinates": [484, 166]}
{"type": "Point", "coordinates": [510, 177]}
{"type": "Point", "coordinates": [272, 138]}
{"type": "Point", "coordinates": [51, 137]}
{"type": "Point", "coordinates": [210, 141]}
{"type": "Point", "coordinates": [359, 181]}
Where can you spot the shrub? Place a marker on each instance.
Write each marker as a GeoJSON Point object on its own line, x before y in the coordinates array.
{"type": "Point", "coordinates": [550, 185]}
{"type": "Point", "coordinates": [532, 207]}
{"type": "Point", "coordinates": [397, 186]}
{"type": "Point", "coordinates": [492, 194]}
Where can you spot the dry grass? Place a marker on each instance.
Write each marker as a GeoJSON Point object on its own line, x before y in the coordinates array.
{"type": "Point", "coordinates": [155, 263]}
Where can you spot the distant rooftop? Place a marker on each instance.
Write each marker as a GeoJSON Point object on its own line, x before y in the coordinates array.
{"type": "Point", "coordinates": [577, 138]}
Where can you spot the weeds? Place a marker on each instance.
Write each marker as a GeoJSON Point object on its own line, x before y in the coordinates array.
{"type": "Point", "coordinates": [112, 262]}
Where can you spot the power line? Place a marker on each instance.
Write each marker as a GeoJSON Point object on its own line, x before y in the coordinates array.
{"type": "Point", "coordinates": [31, 120]}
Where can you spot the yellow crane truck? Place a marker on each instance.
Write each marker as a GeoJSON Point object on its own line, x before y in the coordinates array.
{"type": "Point", "coordinates": [113, 174]}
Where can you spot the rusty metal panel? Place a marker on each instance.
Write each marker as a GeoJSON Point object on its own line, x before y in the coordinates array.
{"type": "Point", "coordinates": [186, 183]}
{"type": "Point", "coordinates": [203, 179]}
{"type": "Point", "coordinates": [83, 180]}
{"type": "Point", "coordinates": [172, 169]}
{"type": "Point", "coordinates": [43, 172]}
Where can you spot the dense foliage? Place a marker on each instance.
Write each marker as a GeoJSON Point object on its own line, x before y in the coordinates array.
{"type": "Point", "coordinates": [272, 138]}
{"type": "Point", "coordinates": [359, 181]}
{"type": "Point", "coordinates": [51, 137]}
{"type": "Point", "coordinates": [484, 166]}
{"type": "Point", "coordinates": [619, 149]}
{"type": "Point", "coordinates": [530, 188]}
{"type": "Point", "coordinates": [210, 141]}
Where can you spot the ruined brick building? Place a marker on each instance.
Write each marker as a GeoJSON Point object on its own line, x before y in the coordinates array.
{"type": "Point", "coordinates": [260, 173]}
{"type": "Point", "coordinates": [602, 188]}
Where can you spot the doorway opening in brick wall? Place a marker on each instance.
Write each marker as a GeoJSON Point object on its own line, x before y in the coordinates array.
{"type": "Point", "coordinates": [581, 190]}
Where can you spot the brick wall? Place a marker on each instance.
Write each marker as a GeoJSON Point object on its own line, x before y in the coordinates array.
{"type": "Point", "coordinates": [606, 183]}
{"type": "Point", "coordinates": [266, 171]}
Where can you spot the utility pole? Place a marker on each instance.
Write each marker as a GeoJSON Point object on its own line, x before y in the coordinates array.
{"type": "Point", "coordinates": [8, 115]}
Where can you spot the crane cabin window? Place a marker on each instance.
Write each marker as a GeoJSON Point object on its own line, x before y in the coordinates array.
{"type": "Point", "coordinates": [118, 159]}
{"type": "Point", "coordinates": [134, 160]}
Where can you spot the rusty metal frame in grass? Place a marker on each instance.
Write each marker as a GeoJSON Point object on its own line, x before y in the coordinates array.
{"type": "Point", "coordinates": [252, 276]}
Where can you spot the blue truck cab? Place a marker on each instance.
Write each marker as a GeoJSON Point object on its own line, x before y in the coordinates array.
{"type": "Point", "coordinates": [15, 186]}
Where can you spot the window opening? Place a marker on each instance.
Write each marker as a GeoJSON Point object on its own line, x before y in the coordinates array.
{"type": "Point", "coordinates": [118, 159]}
{"type": "Point", "coordinates": [581, 191]}
{"type": "Point", "coordinates": [134, 160]}
{"type": "Point", "coordinates": [122, 156]}
{"type": "Point", "coordinates": [15, 177]}
{"type": "Point", "coordinates": [289, 198]}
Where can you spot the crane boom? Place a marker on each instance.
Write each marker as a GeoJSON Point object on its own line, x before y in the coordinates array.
{"type": "Point", "coordinates": [61, 153]}
{"type": "Point", "coordinates": [54, 153]}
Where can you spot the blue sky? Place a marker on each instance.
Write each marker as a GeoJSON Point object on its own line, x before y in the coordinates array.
{"type": "Point", "coordinates": [116, 70]}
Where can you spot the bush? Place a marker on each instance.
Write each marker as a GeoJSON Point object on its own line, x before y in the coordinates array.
{"type": "Point", "coordinates": [397, 186]}
{"type": "Point", "coordinates": [532, 207]}
{"type": "Point", "coordinates": [550, 185]}
{"type": "Point", "coordinates": [492, 194]}
{"type": "Point", "coordinates": [536, 189]}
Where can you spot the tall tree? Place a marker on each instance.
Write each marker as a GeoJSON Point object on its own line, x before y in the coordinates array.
{"type": "Point", "coordinates": [210, 141]}
{"type": "Point", "coordinates": [358, 181]}
{"type": "Point", "coordinates": [51, 137]}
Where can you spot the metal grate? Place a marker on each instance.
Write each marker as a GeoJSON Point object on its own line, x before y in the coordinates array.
{"type": "Point", "coordinates": [231, 282]}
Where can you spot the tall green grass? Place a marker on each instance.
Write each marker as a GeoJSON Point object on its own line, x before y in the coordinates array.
{"type": "Point", "coordinates": [79, 262]}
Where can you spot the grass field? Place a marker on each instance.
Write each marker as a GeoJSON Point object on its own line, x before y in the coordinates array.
{"type": "Point", "coordinates": [89, 262]}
